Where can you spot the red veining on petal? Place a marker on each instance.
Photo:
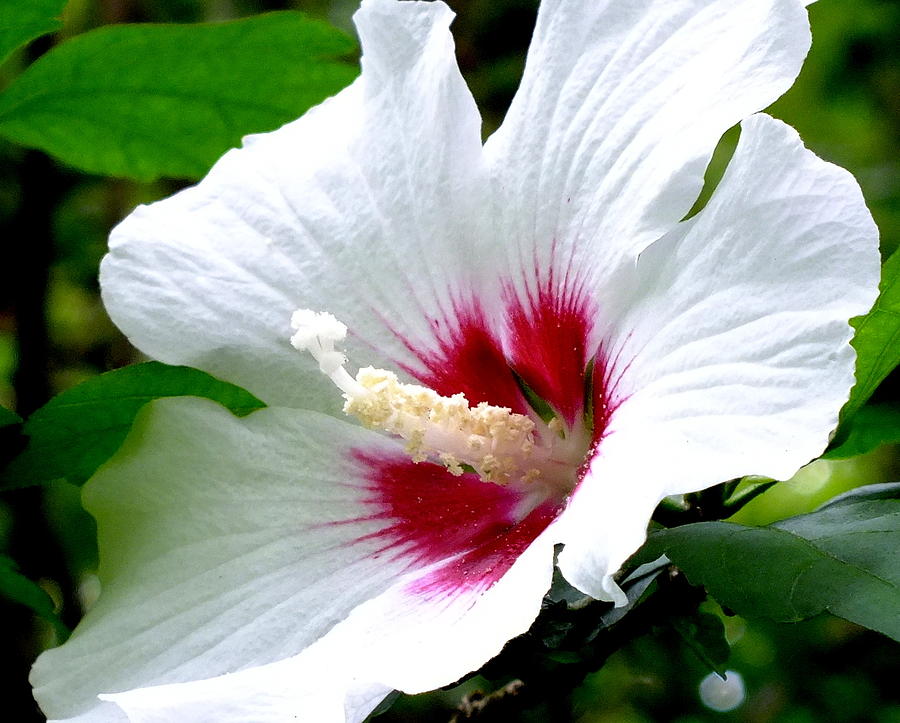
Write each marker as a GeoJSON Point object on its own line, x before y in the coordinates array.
{"type": "Point", "coordinates": [605, 397]}
{"type": "Point", "coordinates": [548, 337]}
{"type": "Point", "coordinates": [468, 529]}
{"type": "Point", "coordinates": [479, 568]}
{"type": "Point", "coordinates": [548, 345]}
{"type": "Point", "coordinates": [470, 360]}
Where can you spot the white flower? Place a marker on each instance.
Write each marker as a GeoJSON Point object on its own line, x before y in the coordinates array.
{"type": "Point", "coordinates": [296, 565]}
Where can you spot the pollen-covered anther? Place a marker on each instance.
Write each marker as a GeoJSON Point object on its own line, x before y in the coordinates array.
{"type": "Point", "coordinates": [451, 463]}
{"type": "Point", "coordinates": [494, 441]}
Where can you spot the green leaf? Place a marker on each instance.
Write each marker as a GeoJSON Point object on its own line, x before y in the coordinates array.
{"type": "Point", "coordinates": [704, 634]}
{"type": "Point", "coordinates": [634, 586]}
{"type": "Point", "coordinates": [21, 21]}
{"type": "Point", "coordinates": [868, 429]}
{"type": "Point", "coordinates": [841, 558]}
{"type": "Point", "coordinates": [883, 491]}
{"type": "Point", "coordinates": [8, 418]}
{"type": "Point", "coordinates": [877, 340]}
{"type": "Point", "coordinates": [77, 431]}
{"type": "Point", "coordinates": [18, 588]}
{"type": "Point", "coordinates": [11, 439]}
{"type": "Point", "coordinates": [145, 101]}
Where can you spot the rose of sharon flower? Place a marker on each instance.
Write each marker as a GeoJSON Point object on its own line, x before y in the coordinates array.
{"type": "Point", "coordinates": [496, 348]}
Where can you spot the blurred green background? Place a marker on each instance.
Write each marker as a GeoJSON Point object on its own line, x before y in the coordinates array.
{"type": "Point", "coordinates": [54, 333]}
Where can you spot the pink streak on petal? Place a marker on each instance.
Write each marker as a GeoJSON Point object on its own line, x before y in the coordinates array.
{"type": "Point", "coordinates": [479, 568]}
{"type": "Point", "coordinates": [549, 333]}
{"type": "Point", "coordinates": [547, 346]}
{"type": "Point", "coordinates": [605, 394]}
{"type": "Point", "coordinates": [468, 528]}
{"type": "Point", "coordinates": [470, 359]}
{"type": "Point", "coordinates": [546, 338]}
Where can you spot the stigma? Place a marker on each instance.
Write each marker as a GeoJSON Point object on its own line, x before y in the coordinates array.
{"type": "Point", "coordinates": [494, 442]}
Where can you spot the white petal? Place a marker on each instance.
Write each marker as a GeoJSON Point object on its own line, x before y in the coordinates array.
{"type": "Point", "coordinates": [358, 208]}
{"type": "Point", "coordinates": [291, 689]}
{"type": "Point", "coordinates": [607, 517]}
{"type": "Point", "coordinates": [733, 356]}
{"type": "Point", "coordinates": [399, 640]}
{"type": "Point", "coordinates": [416, 643]}
{"type": "Point", "coordinates": [620, 108]}
{"type": "Point", "coordinates": [229, 545]}
{"type": "Point", "coordinates": [212, 532]}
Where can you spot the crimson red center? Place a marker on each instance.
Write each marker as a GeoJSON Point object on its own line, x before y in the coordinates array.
{"type": "Point", "coordinates": [466, 532]}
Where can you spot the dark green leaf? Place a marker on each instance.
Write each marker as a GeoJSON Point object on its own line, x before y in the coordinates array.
{"type": "Point", "coordinates": [21, 21]}
{"type": "Point", "coordinates": [634, 586]}
{"type": "Point", "coordinates": [8, 417]}
{"type": "Point", "coordinates": [11, 439]}
{"type": "Point", "coordinates": [145, 101]}
{"type": "Point", "coordinates": [883, 491]}
{"type": "Point", "coordinates": [18, 588]}
{"type": "Point", "coordinates": [705, 635]}
{"type": "Point", "coordinates": [385, 705]}
{"type": "Point", "coordinates": [841, 558]}
{"type": "Point", "coordinates": [868, 429]}
{"type": "Point", "coordinates": [79, 430]}
{"type": "Point", "coordinates": [877, 340]}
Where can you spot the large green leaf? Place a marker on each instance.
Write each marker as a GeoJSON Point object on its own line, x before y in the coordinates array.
{"type": "Point", "coordinates": [8, 417]}
{"type": "Point", "coordinates": [10, 435]}
{"type": "Point", "coordinates": [841, 558]}
{"type": "Point", "coordinates": [18, 588]}
{"type": "Point", "coordinates": [79, 430]}
{"type": "Point", "coordinates": [883, 491]}
{"type": "Point", "coordinates": [877, 340]}
{"type": "Point", "coordinates": [872, 426]}
{"type": "Point", "coordinates": [21, 21]}
{"type": "Point", "coordinates": [145, 101]}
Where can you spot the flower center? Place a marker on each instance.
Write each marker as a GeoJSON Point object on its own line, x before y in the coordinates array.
{"type": "Point", "coordinates": [498, 444]}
